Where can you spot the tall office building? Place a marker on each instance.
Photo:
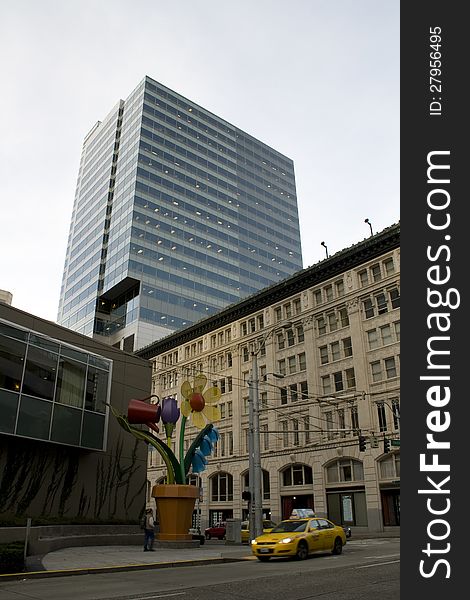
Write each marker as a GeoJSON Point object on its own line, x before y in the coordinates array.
{"type": "Point", "coordinates": [177, 214]}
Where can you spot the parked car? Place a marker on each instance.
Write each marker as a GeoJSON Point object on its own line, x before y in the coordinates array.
{"type": "Point", "coordinates": [299, 538]}
{"type": "Point", "coordinates": [347, 530]}
{"type": "Point", "coordinates": [216, 531]}
{"type": "Point", "coordinates": [267, 526]}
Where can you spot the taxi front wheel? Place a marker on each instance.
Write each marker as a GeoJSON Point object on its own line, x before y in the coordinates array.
{"type": "Point", "coordinates": [302, 551]}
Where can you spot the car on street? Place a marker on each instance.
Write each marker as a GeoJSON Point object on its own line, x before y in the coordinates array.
{"type": "Point", "coordinates": [267, 527]}
{"type": "Point", "coordinates": [347, 530]}
{"type": "Point", "coordinates": [299, 538]}
{"type": "Point", "coordinates": [216, 531]}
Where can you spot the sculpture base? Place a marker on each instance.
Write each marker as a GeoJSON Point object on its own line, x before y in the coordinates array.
{"type": "Point", "coordinates": [175, 504]}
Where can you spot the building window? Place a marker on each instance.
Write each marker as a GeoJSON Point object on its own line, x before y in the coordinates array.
{"type": "Point", "coordinates": [213, 341]}
{"type": "Point", "coordinates": [280, 341]}
{"type": "Point", "coordinates": [390, 367]}
{"type": "Point", "coordinates": [321, 325]}
{"type": "Point", "coordinates": [326, 385]}
{"type": "Point", "coordinates": [341, 422]}
{"type": "Point", "coordinates": [323, 354]}
{"type": "Point", "coordinates": [290, 337]}
{"type": "Point", "coordinates": [302, 362]}
{"type": "Point", "coordinates": [229, 409]}
{"type": "Point", "coordinates": [287, 311]}
{"type": "Point", "coordinates": [396, 413]}
{"type": "Point", "coordinates": [293, 392]}
{"type": "Point", "coordinates": [376, 370]}
{"type": "Point", "coordinates": [229, 359]}
{"type": "Point", "coordinates": [382, 417]}
{"type": "Point", "coordinates": [297, 475]}
{"type": "Point", "coordinates": [260, 320]}
{"type": "Point", "coordinates": [386, 334]}
{"type": "Point", "coordinates": [245, 354]}
{"type": "Point", "coordinates": [244, 329]}
{"type": "Point", "coordinates": [329, 293]}
{"type": "Point", "coordinates": [350, 379]}
{"type": "Point", "coordinates": [229, 384]}
{"type": "Point", "coordinates": [297, 306]}
{"type": "Point", "coordinates": [338, 379]}
{"type": "Point", "coordinates": [347, 346]}
{"type": "Point", "coordinates": [339, 285]}
{"type": "Point", "coordinates": [283, 391]}
{"type": "Point", "coordinates": [389, 266]}
{"type": "Point", "coordinates": [343, 317]}
{"type": "Point", "coordinates": [263, 400]}
{"type": "Point", "coordinates": [335, 351]}
{"type": "Point", "coordinates": [381, 301]}
{"type": "Point", "coordinates": [354, 418]}
{"type": "Point", "coordinates": [300, 334]}
{"type": "Point", "coordinates": [368, 308]}
{"type": "Point", "coordinates": [363, 278]}
{"type": "Point", "coordinates": [394, 297]}
{"type": "Point", "coordinates": [372, 339]}
{"type": "Point", "coordinates": [318, 298]}
{"type": "Point", "coordinates": [221, 487]}
{"type": "Point", "coordinates": [345, 470]}
{"type": "Point", "coordinates": [252, 325]}
{"type": "Point", "coordinates": [292, 365]}
{"type": "Point", "coordinates": [397, 330]}
{"type": "Point", "coordinates": [332, 322]}
{"type": "Point", "coordinates": [295, 427]}
{"type": "Point", "coordinates": [376, 275]}
{"type": "Point", "coordinates": [281, 366]}
{"type": "Point", "coordinates": [303, 390]}
{"type": "Point", "coordinates": [277, 314]}
{"type": "Point", "coordinates": [390, 467]}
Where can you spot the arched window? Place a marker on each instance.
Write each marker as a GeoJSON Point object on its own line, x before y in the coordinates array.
{"type": "Point", "coordinates": [344, 470]}
{"type": "Point", "coordinates": [389, 467]}
{"type": "Point", "coordinates": [297, 475]}
{"type": "Point", "coordinates": [221, 487]}
{"type": "Point", "coordinates": [265, 482]}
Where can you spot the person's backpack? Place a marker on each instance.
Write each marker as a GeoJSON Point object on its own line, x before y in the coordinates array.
{"type": "Point", "coordinates": [142, 522]}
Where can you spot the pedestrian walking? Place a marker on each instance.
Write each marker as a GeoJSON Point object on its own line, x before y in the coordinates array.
{"type": "Point", "coordinates": [149, 530]}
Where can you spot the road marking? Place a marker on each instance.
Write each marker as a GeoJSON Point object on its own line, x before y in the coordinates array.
{"type": "Point", "coordinates": [384, 556]}
{"type": "Point", "coordinates": [389, 562]}
{"type": "Point", "coordinates": [162, 596]}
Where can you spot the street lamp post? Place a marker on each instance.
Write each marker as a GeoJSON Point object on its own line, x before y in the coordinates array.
{"type": "Point", "coordinates": [254, 463]}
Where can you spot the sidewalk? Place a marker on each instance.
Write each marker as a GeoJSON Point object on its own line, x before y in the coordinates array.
{"type": "Point", "coordinates": [98, 559]}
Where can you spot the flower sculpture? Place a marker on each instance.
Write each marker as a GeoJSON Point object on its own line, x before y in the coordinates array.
{"type": "Point", "coordinates": [196, 404]}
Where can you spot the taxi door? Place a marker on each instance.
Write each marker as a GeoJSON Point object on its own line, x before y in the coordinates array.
{"type": "Point", "coordinates": [314, 537]}
{"type": "Point", "coordinates": [327, 534]}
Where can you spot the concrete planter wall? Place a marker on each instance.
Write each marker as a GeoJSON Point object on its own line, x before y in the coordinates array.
{"type": "Point", "coordinates": [44, 539]}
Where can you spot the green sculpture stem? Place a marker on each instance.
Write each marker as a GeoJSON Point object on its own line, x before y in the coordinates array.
{"type": "Point", "coordinates": [183, 427]}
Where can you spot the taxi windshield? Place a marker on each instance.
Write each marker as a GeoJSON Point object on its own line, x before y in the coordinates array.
{"type": "Point", "coordinates": [290, 526]}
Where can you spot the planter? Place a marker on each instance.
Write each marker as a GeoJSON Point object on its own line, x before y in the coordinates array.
{"type": "Point", "coordinates": [175, 505]}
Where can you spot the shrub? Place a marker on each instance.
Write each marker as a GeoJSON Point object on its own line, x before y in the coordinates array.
{"type": "Point", "coordinates": [12, 557]}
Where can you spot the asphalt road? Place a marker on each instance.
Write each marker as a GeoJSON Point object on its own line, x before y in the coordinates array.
{"type": "Point", "coordinates": [367, 570]}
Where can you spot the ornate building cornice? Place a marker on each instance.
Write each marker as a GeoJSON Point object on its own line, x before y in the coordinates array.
{"type": "Point", "coordinates": [342, 261]}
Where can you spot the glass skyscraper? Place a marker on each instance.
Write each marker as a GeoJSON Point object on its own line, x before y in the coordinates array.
{"type": "Point", "coordinates": [177, 214]}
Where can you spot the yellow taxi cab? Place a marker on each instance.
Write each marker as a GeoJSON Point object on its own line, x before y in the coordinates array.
{"type": "Point", "coordinates": [267, 527]}
{"type": "Point", "coordinates": [299, 538]}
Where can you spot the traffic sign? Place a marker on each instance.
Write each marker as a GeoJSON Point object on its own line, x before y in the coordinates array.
{"type": "Point", "coordinates": [395, 442]}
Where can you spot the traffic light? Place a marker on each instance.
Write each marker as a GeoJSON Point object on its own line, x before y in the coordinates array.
{"type": "Point", "coordinates": [362, 443]}
{"type": "Point", "coordinates": [246, 495]}
{"type": "Point", "coordinates": [386, 445]}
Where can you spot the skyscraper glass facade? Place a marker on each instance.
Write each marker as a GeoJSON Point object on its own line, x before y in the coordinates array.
{"type": "Point", "coordinates": [177, 214]}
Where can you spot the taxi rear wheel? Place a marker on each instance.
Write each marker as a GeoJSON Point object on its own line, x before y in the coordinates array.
{"type": "Point", "coordinates": [302, 551]}
{"type": "Point", "coordinates": [337, 546]}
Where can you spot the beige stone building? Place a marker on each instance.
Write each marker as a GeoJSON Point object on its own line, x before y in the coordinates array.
{"type": "Point", "coordinates": [326, 342]}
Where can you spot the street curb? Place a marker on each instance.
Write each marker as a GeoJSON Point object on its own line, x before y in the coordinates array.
{"type": "Point", "coordinates": [118, 568]}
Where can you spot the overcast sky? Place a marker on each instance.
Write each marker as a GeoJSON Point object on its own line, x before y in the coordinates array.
{"type": "Point", "coordinates": [317, 80]}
